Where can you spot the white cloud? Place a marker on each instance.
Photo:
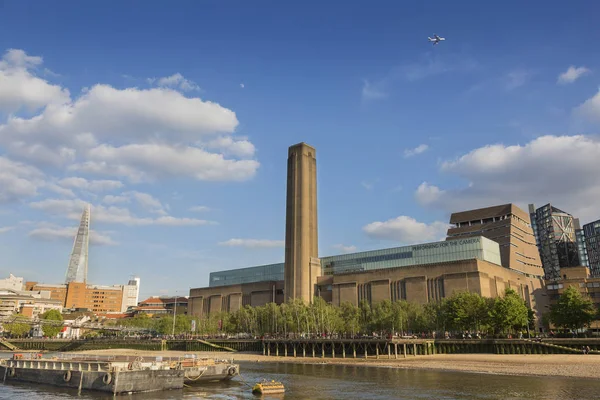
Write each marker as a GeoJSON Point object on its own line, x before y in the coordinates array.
{"type": "Point", "coordinates": [111, 199]}
{"type": "Point", "coordinates": [344, 249]}
{"type": "Point", "coordinates": [18, 181]}
{"type": "Point", "coordinates": [59, 189]}
{"type": "Point", "coordinates": [92, 186]}
{"type": "Point", "coordinates": [147, 162]}
{"type": "Point", "coordinates": [238, 148]}
{"type": "Point", "coordinates": [5, 229]}
{"type": "Point", "coordinates": [429, 65]}
{"type": "Point", "coordinates": [372, 91]}
{"type": "Point", "coordinates": [52, 232]}
{"type": "Point", "coordinates": [367, 185]}
{"type": "Point", "coordinates": [126, 115]}
{"type": "Point", "coordinates": [427, 194]}
{"type": "Point", "coordinates": [242, 85]}
{"type": "Point", "coordinates": [517, 78]}
{"type": "Point", "coordinates": [253, 243]}
{"type": "Point", "coordinates": [199, 209]}
{"type": "Point", "coordinates": [406, 230]}
{"type": "Point", "coordinates": [176, 81]}
{"type": "Point", "coordinates": [112, 215]}
{"type": "Point", "coordinates": [572, 74]}
{"type": "Point", "coordinates": [148, 202]}
{"type": "Point", "coordinates": [21, 88]}
{"type": "Point", "coordinates": [422, 148]}
{"type": "Point", "coordinates": [116, 132]}
{"type": "Point", "coordinates": [562, 170]}
{"type": "Point", "coordinates": [590, 109]}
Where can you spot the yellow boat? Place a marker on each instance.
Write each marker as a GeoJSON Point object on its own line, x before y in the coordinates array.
{"type": "Point", "coordinates": [266, 387]}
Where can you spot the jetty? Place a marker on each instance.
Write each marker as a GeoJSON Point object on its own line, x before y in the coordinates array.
{"type": "Point", "coordinates": [115, 374]}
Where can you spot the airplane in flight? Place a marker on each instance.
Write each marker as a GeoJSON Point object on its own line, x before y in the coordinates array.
{"type": "Point", "coordinates": [436, 39]}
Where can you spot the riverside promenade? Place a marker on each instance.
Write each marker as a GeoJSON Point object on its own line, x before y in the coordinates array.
{"type": "Point", "coordinates": [321, 347]}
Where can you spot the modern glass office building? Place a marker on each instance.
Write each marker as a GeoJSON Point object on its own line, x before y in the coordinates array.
{"type": "Point", "coordinates": [592, 242]}
{"type": "Point", "coordinates": [260, 273]}
{"type": "Point", "coordinates": [557, 240]}
{"type": "Point", "coordinates": [478, 247]}
{"type": "Point", "coordinates": [581, 244]}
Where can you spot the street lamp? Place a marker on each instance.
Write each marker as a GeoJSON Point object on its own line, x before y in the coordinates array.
{"type": "Point", "coordinates": [174, 313]}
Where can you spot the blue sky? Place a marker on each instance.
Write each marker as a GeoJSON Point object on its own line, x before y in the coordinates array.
{"type": "Point", "coordinates": [174, 120]}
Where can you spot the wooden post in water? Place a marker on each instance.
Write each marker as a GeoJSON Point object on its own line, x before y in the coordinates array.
{"type": "Point", "coordinates": [269, 350]}
{"type": "Point", "coordinates": [277, 349]}
{"type": "Point", "coordinates": [389, 351]}
{"type": "Point", "coordinates": [304, 350]}
{"type": "Point", "coordinates": [5, 372]}
{"type": "Point", "coordinates": [332, 350]}
{"type": "Point", "coordinates": [116, 383]}
{"type": "Point", "coordinates": [404, 350]}
{"type": "Point", "coordinates": [396, 351]}
{"type": "Point", "coordinates": [294, 350]}
{"type": "Point", "coordinates": [377, 351]}
{"type": "Point", "coordinates": [313, 349]}
{"type": "Point", "coordinates": [366, 354]}
{"type": "Point", "coordinates": [343, 350]}
{"type": "Point", "coordinates": [264, 348]}
{"type": "Point", "coordinates": [285, 350]}
{"type": "Point", "coordinates": [415, 349]}
{"type": "Point", "coordinates": [322, 350]}
{"type": "Point", "coordinates": [354, 349]}
{"type": "Point", "coordinates": [80, 384]}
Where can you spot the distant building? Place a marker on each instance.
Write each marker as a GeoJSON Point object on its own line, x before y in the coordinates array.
{"type": "Point", "coordinates": [557, 240]}
{"type": "Point", "coordinates": [261, 273]}
{"type": "Point", "coordinates": [12, 283]}
{"type": "Point", "coordinates": [581, 244]}
{"type": "Point", "coordinates": [487, 251]}
{"type": "Point", "coordinates": [131, 293]}
{"type": "Point", "coordinates": [592, 242]}
{"type": "Point", "coordinates": [96, 298]}
{"type": "Point", "coordinates": [418, 273]}
{"type": "Point", "coordinates": [301, 226]}
{"type": "Point", "coordinates": [534, 226]}
{"type": "Point", "coordinates": [507, 225]}
{"type": "Point", "coordinates": [28, 304]}
{"type": "Point", "coordinates": [77, 293]}
{"type": "Point", "coordinates": [578, 277]}
{"type": "Point", "coordinates": [78, 262]}
{"type": "Point", "coordinates": [162, 305]}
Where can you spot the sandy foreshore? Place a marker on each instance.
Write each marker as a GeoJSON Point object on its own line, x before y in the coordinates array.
{"type": "Point", "coordinates": [568, 365]}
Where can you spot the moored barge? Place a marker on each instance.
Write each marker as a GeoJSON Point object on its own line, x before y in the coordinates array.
{"type": "Point", "coordinates": [115, 374]}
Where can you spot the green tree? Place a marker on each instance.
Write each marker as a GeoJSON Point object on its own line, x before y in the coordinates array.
{"type": "Point", "coordinates": [573, 310]}
{"type": "Point", "coordinates": [467, 311]}
{"type": "Point", "coordinates": [366, 316]}
{"type": "Point", "coordinates": [351, 316]}
{"type": "Point", "coordinates": [17, 329]}
{"type": "Point", "coordinates": [400, 316]}
{"type": "Point", "coordinates": [436, 316]}
{"type": "Point", "coordinates": [508, 312]}
{"type": "Point", "coordinates": [51, 330]}
{"type": "Point", "coordinates": [383, 316]}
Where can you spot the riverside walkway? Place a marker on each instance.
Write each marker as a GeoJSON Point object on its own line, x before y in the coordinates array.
{"type": "Point", "coordinates": [320, 347]}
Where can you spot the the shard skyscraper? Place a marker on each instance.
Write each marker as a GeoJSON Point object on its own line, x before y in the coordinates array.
{"type": "Point", "coordinates": [78, 263]}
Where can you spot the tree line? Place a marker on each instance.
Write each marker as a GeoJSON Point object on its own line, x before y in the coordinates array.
{"type": "Point", "coordinates": [461, 312]}
{"type": "Point", "coordinates": [22, 329]}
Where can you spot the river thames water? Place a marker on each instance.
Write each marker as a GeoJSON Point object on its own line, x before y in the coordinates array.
{"type": "Point", "coordinates": [321, 381]}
